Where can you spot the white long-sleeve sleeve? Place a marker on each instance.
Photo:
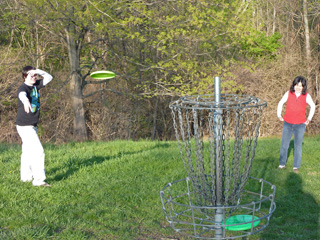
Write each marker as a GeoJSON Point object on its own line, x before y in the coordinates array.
{"type": "Point", "coordinates": [312, 107]}
{"type": "Point", "coordinates": [46, 76]}
{"type": "Point", "coordinates": [23, 97]}
{"type": "Point", "coordinates": [280, 104]}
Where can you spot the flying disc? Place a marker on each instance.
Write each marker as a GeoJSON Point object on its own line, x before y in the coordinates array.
{"type": "Point", "coordinates": [243, 222]}
{"type": "Point", "coordinates": [102, 75]}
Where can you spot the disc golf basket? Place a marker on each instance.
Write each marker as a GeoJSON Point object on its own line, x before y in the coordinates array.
{"type": "Point", "coordinates": [217, 136]}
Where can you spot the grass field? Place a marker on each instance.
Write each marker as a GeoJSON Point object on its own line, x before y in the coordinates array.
{"type": "Point", "coordinates": [110, 190]}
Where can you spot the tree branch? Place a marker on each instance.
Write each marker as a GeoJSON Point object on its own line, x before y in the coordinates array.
{"type": "Point", "coordinates": [104, 13]}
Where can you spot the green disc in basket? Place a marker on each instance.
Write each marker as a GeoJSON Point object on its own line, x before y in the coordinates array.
{"type": "Point", "coordinates": [244, 222]}
{"type": "Point", "coordinates": [102, 75]}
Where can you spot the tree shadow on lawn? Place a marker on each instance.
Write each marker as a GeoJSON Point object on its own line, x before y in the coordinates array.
{"type": "Point", "coordinates": [73, 165]}
{"type": "Point", "coordinates": [297, 213]}
{"type": "Point", "coordinates": [264, 167]}
{"type": "Point", "coordinates": [291, 147]}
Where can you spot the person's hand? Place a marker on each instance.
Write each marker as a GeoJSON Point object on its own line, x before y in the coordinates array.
{"type": "Point", "coordinates": [31, 77]}
{"type": "Point", "coordinates": [307, 122]}
{"type": "Point", "coordinates": [27, 106]}
{"type": "Point", "coordinates": [32, 72]}
{"type": "Point", "coordinates": [281, 119]}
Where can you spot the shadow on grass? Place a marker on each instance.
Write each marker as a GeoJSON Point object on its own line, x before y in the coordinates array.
{"type": "Point", "coordinates": [297, 213]}
{"type": "Point", "coordinates": [291, 147]}
{"type": "Point", "coordinates": [264, 168]}
{"type": "Point", "coordinates": [72, 165]}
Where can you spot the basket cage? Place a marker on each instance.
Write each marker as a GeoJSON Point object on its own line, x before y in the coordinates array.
{"type": "Point", "coordinates": [217, 142]}
{"type": "Point", "coordinates": [200, 222]}
{"type": "Point", "coordinates": [217, 137]}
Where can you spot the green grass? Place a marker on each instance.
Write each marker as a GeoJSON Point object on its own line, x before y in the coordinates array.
{"type": "Point", "coordinates": [110, 190]}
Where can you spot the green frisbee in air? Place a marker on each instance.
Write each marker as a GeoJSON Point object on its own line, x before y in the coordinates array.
{"type": "Point", "coordinates": [244, 222]}
{"type": "Point", "coordinates": [102, 75]}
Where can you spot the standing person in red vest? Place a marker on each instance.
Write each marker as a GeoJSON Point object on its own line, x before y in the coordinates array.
{"type": "Point", "coordinates": [294, 120]}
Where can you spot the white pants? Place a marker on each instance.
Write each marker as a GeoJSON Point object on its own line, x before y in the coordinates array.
{"type": "Point", "coordinates": [32, 157]}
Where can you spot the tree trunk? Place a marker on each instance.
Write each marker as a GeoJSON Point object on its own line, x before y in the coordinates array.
{"type": "Point", "coordinates": [79, 122]}
{"type": "Point", "coordinates": [274, 20]}
{"type": "Point", "coordinates": [318, 73]}
{"type": "Point", "coordinates": [307, 38]}
{"type": "Point", "coordinates": [154, 128]}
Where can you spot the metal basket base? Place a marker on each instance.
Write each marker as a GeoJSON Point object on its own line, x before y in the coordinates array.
{"type": "Point", "coordinates": [179, 206]}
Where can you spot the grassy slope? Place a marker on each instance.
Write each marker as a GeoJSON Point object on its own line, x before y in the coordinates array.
{"type": "Point", "coordinates": [111, 191]}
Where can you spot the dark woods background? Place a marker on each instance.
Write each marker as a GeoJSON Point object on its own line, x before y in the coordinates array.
{"type": "Point", "coordinates": [160, 51]}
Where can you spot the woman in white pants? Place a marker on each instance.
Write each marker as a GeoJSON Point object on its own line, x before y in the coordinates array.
{"type": "Point", "coordinates": [32, 157]}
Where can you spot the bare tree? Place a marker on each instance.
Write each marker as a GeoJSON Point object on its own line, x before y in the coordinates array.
{"type": "Point", "coordinates": [307, 37]}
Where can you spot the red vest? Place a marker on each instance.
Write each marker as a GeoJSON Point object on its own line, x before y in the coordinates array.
{"type": "Point", "coordinates": [296, 109]}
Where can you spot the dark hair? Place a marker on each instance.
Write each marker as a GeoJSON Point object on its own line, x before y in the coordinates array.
{"type": "Point", "coordinates": [25, 71]}
{"type": "Point", "coordinates": [303, 82]}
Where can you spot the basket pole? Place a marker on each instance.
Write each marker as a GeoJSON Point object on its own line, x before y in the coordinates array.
{"type": "Point", "coordinates": [219, 215]}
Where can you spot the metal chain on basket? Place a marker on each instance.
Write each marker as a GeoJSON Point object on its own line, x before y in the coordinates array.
{"type": "Point", "coordinates": [199, 161]}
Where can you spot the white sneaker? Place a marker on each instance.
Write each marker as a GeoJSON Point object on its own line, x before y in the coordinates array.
{"type": "Point", "coordinates": [43, 184]}
{"type": "Point", "coordinates": [282, 166]}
